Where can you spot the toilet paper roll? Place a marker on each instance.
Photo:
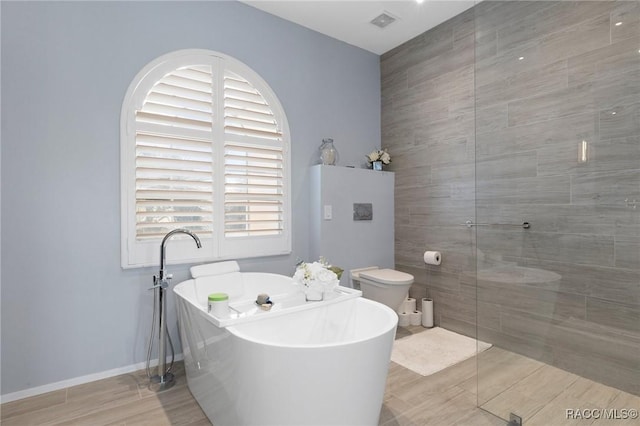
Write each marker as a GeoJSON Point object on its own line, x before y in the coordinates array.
{"type": "Point", "coordinates": [409, 305]}
{"type": "Point", "coordinates": [432, 257]}
{"type": "Point", "coordinates": [427, 312]}
{"type": "Point", "coordinates": [416, 317]}
{"type": "Point", "coordinates": [404, 319]}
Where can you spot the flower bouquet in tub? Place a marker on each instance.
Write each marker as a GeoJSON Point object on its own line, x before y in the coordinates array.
{"type": "Point", "coordinates": [317, 278]}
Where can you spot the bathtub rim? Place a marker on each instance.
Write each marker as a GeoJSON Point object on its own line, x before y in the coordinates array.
{"type": "Point", "coordinates": [340, 294]}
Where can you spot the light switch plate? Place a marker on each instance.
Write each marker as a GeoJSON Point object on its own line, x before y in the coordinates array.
{"type": "Point", "coordinates": [328, 212]}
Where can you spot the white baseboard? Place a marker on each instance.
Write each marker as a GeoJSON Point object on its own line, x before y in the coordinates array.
{"type": "Point", "coordinates": [38, 390]}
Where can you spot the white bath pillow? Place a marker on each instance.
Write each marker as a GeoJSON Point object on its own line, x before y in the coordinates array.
{"type": "Point", "coordinates": [214, 269]}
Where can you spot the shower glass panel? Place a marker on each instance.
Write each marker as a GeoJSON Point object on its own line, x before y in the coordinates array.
{"type": "Point", "coordinates": [557, 110]}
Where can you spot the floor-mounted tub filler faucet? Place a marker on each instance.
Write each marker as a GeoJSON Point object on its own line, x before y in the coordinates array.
{"type": "Point", "coordinates": [164, 379]}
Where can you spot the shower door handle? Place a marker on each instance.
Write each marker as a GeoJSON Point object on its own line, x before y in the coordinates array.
{"type": "Point", "coordinates": [469, 224]}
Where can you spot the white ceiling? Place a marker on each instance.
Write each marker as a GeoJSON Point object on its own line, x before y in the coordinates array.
{"type": "Point", "coordinates": [349, 21]}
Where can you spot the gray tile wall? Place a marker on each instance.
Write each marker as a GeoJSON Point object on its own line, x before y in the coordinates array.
{"type": "Point", "coordinates": [478, 133]}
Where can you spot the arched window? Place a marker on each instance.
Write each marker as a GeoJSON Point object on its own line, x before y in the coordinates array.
{"type": "Point", "coordinates": [204, 146]}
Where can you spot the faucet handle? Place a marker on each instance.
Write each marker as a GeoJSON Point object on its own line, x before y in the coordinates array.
{"type": "Point", "coordinates": [157, 283]}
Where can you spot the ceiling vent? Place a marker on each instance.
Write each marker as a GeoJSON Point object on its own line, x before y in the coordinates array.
{"type": "Point", "coordinates": [383, 20]}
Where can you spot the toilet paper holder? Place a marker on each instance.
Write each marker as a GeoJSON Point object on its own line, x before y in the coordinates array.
{"type": "Point", "coordinates": [469, 224]}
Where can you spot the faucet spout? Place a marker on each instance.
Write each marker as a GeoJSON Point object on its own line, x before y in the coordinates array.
{"type": "Point", "coordinates": [164, 242]}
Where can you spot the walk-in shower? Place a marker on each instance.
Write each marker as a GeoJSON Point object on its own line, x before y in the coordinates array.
{"type": "Point", "coordinates": [557, 105]}
{"type": "Point", "coordinates": [526, 112]}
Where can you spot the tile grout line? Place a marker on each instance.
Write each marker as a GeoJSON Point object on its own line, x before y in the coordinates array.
{"type": "Point", "coordinates": [514, 384]}
{"type": "Point", "coordinates": [554, 398]}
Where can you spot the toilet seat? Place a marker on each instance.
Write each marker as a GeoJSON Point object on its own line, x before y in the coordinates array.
{"type": "Point", "coordinates": [387, 276]}
{"type": "Point", "coordinates": [386, 286]}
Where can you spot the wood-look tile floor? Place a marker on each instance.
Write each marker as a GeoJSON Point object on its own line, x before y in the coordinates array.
{"type": "Point", "coordinates": [507, 382]}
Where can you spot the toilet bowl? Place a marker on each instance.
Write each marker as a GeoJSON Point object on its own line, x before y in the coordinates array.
{"type": "Point", "coordinates": [387, 286]}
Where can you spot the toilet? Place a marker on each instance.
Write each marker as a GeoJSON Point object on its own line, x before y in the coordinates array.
{"type": "Point", "coordinates": [387, 286]}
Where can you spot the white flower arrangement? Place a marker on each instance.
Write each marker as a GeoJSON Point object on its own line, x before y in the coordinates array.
{"type": "Point", "coordinates": [379, 155]}
{"type": "Point", "coordinates": [319, 272]}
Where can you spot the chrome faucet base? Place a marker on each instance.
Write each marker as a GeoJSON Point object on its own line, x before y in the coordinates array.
{"type": "Point", "coordinates": [159, 383]}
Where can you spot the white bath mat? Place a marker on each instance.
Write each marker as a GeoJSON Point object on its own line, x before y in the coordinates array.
{"type": "Point", "coordinates": [433, 350]}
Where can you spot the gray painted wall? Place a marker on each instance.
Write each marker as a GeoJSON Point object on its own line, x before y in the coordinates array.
{"type": "Point", "coordinates": [68, 309]}
{"type": "Point", "coordinates": [566, 291]}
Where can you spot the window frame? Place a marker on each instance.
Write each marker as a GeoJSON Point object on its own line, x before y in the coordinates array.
{"type": "Point", "coordinates": [136, 253]}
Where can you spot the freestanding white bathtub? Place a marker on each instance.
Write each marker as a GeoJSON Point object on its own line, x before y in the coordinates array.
{"type": "Point", "coordinates": [303, 363]}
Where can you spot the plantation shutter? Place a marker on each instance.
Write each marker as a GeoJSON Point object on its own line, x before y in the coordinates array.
{"type": "Point", "coordinates": [253, 162]}
{"type": "Point", "coordinates": [204, 146]}
{"type": "Point", "coordinates": [174, 130]}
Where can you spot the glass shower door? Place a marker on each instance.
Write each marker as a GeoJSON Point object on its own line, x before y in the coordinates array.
{"type": "Point", "coordinates": [557, 108]}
